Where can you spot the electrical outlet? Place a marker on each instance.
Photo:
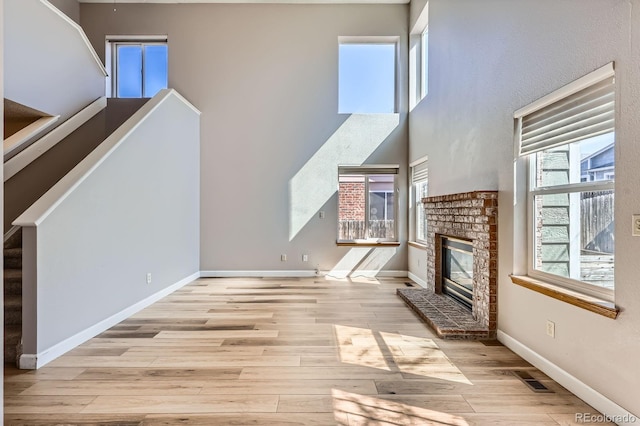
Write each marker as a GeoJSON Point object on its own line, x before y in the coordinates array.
{"type": "Point", "coordinates": [635, 230]}
{"type": "Point", "coordinates": [551, 329]}
{"type": "Point", "coordinates": [321, 214]}
{"type": "Point", "coordinates": [148, 277]}
{"type": "Point", "coordinates": [283, 257]}
{"type": "Point", "coordinates": [305, 257]}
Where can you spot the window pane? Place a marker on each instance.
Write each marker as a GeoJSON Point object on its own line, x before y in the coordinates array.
{"type": "Point", "coordinates": [574, 236]}
{"type": "Point", "coordinates": [424, 75]}
{"type": "Point", "coordinates": [421, 225]}
{"type": "Point", "coordinates": [381, 206]}
{"type": "Point", "coordinates": [584, 161]}
{"type": "Point", "coordinates": [155, 69]}
{"type": "Point", "coordinates": [129, 72]}
{"type": "Point", "coordinates": [351, 207]}
{"type": "Point", "coordinates": [366, 78]}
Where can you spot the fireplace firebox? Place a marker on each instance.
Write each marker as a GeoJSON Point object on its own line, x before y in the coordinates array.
{"type": "Point", "coordinates": [457, 270]}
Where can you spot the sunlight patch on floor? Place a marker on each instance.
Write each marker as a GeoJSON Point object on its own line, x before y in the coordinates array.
{"type": "Point", "coordinates": [368, 410]}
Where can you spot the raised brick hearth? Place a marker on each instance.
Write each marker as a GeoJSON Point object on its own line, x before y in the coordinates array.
{"type": "Point", "coordinates": [470, 216]}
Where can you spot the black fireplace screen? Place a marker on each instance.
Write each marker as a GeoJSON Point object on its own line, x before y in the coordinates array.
{"type": "Point", "coordinates": [457, 270]}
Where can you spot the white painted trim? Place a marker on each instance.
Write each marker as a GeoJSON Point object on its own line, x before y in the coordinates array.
{"type": "Point", "coordinates": [35, 361]}
{"type": "Point", "coordinates": [419, 161]}
{"type": "Point", "coordinates": [19, 138]}
{"type": "Point", "coordinates": [572, 383]}
{"type": "Point", "coordinates": [80, 31]}
{"type": "Point", "coordinates": [142, 38]}
{"type": "Point", "coordinates": [590, 79]}
{"type": "Point", "coordinates": [46, 204]}
{"type": "Point", "coordinates": [42, 145]}
{"type": "Point", "coordinates": [10, 232]}
{"type": "Point", "coordinates": [422, 283]}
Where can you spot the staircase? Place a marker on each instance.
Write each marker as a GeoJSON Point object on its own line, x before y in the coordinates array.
{"type": "Point", "coordinates": [12, 296]}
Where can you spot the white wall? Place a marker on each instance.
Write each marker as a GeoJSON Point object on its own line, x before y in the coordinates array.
{"type": "Point", "coordinates": [135, 212]}
{"type": "Point", "coordinates": [488, 59]}
{"type": "Point", "coordinates": [48, 66]}
{"type": "Point", "coordinates": [266, 80]}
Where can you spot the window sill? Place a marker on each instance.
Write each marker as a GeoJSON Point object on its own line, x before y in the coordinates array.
{"type": "Point", "coordinates": [417, 245]}
{"type": "Point", "coordinates": [368, 243]}
{"type": "Point", "coordinates": [593, 304]}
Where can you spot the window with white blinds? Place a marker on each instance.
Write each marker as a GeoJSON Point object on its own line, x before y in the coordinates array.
{"type": "Point", "coordinates": [568, 138]}
{"type": "Point", "coordinates": [419, 185]}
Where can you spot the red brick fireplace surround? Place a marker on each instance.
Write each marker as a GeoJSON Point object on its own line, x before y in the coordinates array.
{"type": "Point", "coordinates": [471, 216]}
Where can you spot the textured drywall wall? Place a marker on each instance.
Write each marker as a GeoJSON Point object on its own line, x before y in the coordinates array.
{"type": "Point", "coordinates": [266, 80]}
{"type": "Point", "coordinates": [487, 59]}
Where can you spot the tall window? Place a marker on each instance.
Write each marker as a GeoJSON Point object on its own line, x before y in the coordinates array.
{"type": "Point", "coordinates": [419, 176]}
{"type": "Point", "coordinates": [138, 68]}
{"type": "Point", "coordinates": [367, 77]}
{"type": "Point", "coordinates": [367, 203]}
{"type": "Point", "coordinates": [424, 63]}
{"type": "Point", "coordinates": [568, 137]}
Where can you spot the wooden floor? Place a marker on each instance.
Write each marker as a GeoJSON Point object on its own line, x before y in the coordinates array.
{"type": "Point", "coordinates": [283, 352]}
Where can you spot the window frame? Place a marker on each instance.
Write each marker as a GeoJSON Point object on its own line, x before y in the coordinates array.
{"type": "Point", "coordinates": [374, 40]}
{"type": "Point", "coordinates": [368, 170]}
{"type": "Point", "coordinates": [111, 59]}
{"type": "Point", "coordinates": [416, 202]}
{"type": "Point", "coordinates": [424, 63]}
{"type": "Point", "coordinates": [533, 190]}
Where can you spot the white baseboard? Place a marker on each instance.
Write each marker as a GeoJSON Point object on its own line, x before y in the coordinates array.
{"type": "Point", "coordinates": [422, 283]}
{"type": "Point", "coordinates": [610, 409]}
{"type": "Point", "coordinates": [35, 361]}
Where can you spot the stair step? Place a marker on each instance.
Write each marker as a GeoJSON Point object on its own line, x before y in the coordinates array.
{"type": "Point", "coordinates": [12, 310]}
{"type": "Point", "coordinates": [12, 282]}
{"type": "Point", "coordinates": [14, 241]}
{"type": "Point", "coordinates": [12, 335]}
{"type": "Point", "coordinates": [13, 258]}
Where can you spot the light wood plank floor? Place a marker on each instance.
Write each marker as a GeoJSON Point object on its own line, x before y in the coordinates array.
{"type": "Point", "coordinates": [283, 352]}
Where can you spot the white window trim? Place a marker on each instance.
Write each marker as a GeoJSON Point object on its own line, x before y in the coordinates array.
{"type": "Point", "coordinates": [572, 284]}
{"type": "Point", "coordinates": [418, 84]}
{"type": "Point", "coordinates": [395, 40]}
{"type": "Point", "coordinates": [414, 203]}
{"type": "Point", "coordinates": [111, 43]}
{"type": "Point", "coordinates": [368, 169]}
{"type": "Point", "coordinates": [590, 79]}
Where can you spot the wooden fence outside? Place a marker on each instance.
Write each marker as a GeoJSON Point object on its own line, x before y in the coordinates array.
{"type": "Point", "coordinates": [355, 229]}
{"type": "Point", "coordinates": [596, 209]}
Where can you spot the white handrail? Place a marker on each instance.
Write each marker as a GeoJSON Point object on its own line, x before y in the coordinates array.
{"type": "Point", "coordinates": [48, 141]}
{"type": "Point", "coordinates": [39, 211]}
{"type": "Point", "coordinates": [16, 141]}
{"type": "Point", "coordinates": [80, 31]}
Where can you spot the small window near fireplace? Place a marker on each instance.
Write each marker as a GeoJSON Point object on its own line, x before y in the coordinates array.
{"type": "Point", "coordinates": [457, 270]}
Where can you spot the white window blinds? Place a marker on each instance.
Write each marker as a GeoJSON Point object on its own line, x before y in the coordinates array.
{"type": "Point", "coordinates": [581, 110]}
{"type": "Point", "coordinates": [420, 172]}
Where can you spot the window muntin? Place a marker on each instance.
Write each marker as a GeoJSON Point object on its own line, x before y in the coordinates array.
{"type": "Point", "coordinates": [571, 187]}
{"type": "Point", "coordinates": [367, 78]}
{"type": "Point", "coordinates": [139, 69]}
{"type": "Point", "coordinates": [367, 205]}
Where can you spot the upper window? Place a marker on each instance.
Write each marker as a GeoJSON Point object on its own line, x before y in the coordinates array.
{"type": "Point", "coordinates": [367, 77]}
{"type": "Point", "coordinates": [138, 68]}
{"type": "Point", "coordinates": [424, 63]}
{"type": "Point", "coordinates": [419, 184]}
{"type": "Point", "coordinates": [568, 137]}
{"type": "Point", "coordinates": [367, 203]}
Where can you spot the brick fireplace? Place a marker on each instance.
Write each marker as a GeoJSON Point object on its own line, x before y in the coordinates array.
{"type": "Point", "coordinates": [470, 216]}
